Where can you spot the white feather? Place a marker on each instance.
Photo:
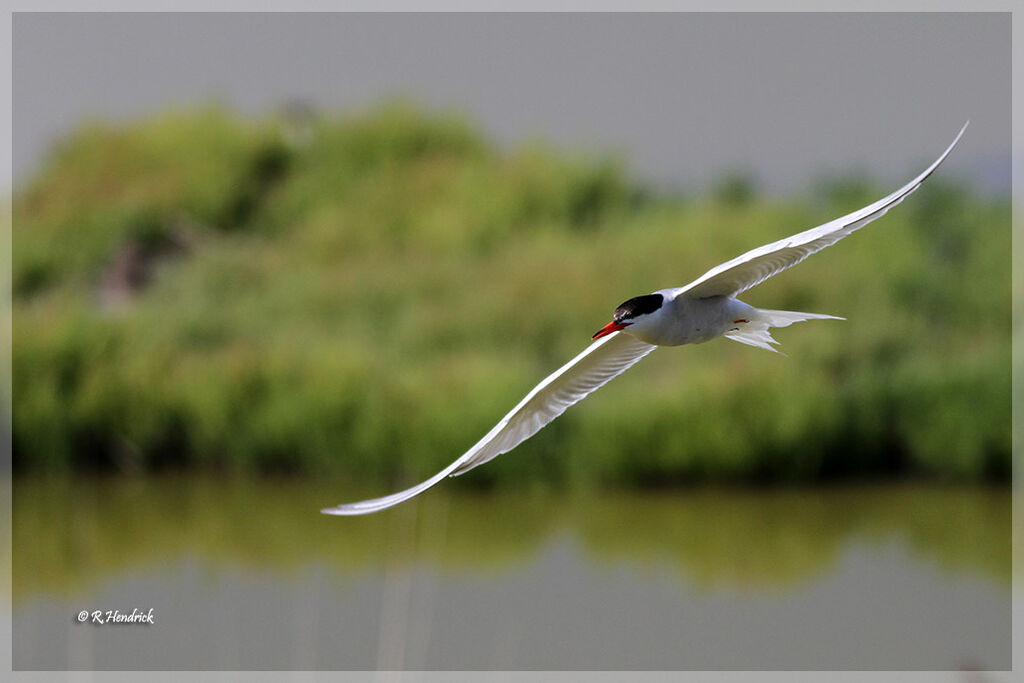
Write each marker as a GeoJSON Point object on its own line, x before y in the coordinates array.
{"type": "Point", "coordinates": [757, 265]}
{"type": "Point", "coordinates": [709, 309]}
{"type": "Point", "coordinates": [600, 362]}
{"type": "Point", "coordinates": [756, 331]}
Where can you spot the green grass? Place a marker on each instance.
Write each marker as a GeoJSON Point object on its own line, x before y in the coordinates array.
{"type": "Point", "coordinates": [369, 301]}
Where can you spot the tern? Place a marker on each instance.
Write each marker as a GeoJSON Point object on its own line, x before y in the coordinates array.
{"type": "Point", "coordinates": [695, 313]}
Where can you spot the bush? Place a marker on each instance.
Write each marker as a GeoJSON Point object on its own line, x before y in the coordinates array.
{"type": "Point", "coordinates": [371, 299]}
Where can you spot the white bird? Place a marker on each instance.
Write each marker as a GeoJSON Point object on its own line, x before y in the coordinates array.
{"type": "Point", "coordinates": [695, 313]}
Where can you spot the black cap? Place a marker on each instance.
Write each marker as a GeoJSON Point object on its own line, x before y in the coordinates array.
{"type": "Point", "coordinates": [638, 305]}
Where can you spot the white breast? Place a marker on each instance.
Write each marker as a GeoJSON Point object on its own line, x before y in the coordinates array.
{"type": "Point", "coordinates": [685, 320]}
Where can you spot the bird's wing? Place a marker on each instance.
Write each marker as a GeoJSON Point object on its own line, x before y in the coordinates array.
{"type": "Point", "coordinates": [757, 265]}
{"type": "Point", "coordinates": [603, 360]}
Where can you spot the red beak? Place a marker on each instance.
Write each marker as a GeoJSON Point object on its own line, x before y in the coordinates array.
{"type": "Point", "coordinates": [609, 328]}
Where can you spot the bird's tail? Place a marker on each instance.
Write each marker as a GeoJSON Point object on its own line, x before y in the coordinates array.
{"type": "Point", "coordinates": [755, 330]}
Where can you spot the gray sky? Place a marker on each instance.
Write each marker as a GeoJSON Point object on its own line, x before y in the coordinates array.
{"type": "Point", "coordinates": [682, 97]}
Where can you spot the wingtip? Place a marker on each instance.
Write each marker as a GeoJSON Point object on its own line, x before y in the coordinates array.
{"type": "Point", "coordinates": [349, 509]}
{"type": "Point", "coordinates": [960, 134]}
{"type": "Point", "coordinates": [916, 182]}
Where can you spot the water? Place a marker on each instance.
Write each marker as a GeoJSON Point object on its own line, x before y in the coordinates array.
{"type": "Point", "coordinates": [247, 575]}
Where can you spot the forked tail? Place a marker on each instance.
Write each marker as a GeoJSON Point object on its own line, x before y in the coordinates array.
{"type": "Point", "coordinates": [756, 329]}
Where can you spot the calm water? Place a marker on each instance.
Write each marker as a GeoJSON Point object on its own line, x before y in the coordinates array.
{"type": "Point", "coordinates": [248, 575]}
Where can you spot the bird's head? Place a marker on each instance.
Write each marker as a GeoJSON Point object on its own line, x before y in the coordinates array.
{"type": "Point", "coordinates": [637, 310]}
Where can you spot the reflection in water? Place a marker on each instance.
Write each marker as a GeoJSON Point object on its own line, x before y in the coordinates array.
{"type": "Point", "coordinates": [779, 538]}
{"type": "Point", "coordinates": [70, 533]}
{"type": "Point", "coordinates": [500, 570]}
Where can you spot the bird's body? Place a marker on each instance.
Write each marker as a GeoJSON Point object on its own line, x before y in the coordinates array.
{"type": "Point", "coordinates": [685, 320]}
{"type": "Point", "coordinates": [703, 310]}
{"type": "Point", "coordinates": [695, 320]}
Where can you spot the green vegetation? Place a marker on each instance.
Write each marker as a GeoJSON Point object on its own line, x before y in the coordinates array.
{"type": "Point", "coordinates": [368, 296]}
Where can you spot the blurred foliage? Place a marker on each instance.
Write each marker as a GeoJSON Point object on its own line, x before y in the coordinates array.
{"type": "Point", "coordinates": [367, 295]}
{"type": "Point", "coordinates": [717, 539]}
{"type": "Point", "coordinates": [735, 189]}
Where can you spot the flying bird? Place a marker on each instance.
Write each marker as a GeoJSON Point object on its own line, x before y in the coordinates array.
{"type": "Point", "coordinates": [695, 313]}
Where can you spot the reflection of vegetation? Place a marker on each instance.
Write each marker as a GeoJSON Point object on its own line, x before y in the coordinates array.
{"type": "Point", "coordinates": [110, 526]}
{"type": "Point", "coordinates": [742, 538]}
{"type": "Point", "coordinates": [716, 537]}
{"type": "Point", "coordinates": [367, 299]}
{"type": "Point", "coordinates": [764, 537]}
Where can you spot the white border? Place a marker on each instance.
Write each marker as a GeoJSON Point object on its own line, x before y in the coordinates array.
{"type": "Point", "coordinates": [564, 6]}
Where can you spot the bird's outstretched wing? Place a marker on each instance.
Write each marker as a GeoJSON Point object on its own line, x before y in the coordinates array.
{"type": "Point", "coordinates": [603, 360]}
{"type": "Point", "coordinates": [757, 265]}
